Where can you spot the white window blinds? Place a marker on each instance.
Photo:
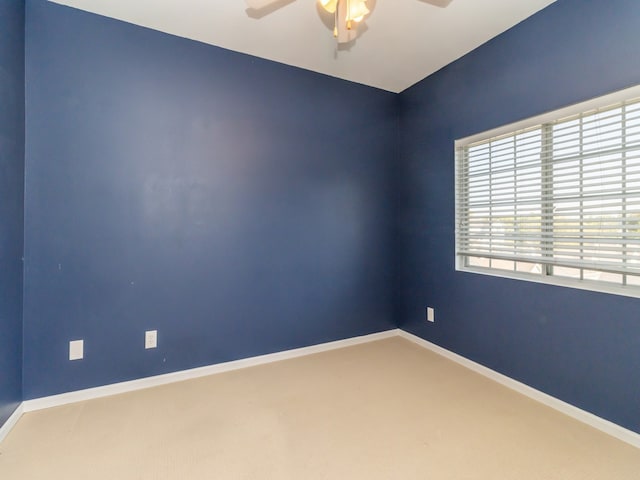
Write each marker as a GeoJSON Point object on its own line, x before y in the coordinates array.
{"type": "Point", "coordinates": [558, 198]}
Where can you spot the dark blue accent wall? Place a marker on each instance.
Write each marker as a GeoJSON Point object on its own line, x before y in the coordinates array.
{"type": "Point", "coordinates": [236, 205]}
{"type": "Point", "coordinates": [581, 347]}
{"type": "Point", "coordinates": [11, 202]}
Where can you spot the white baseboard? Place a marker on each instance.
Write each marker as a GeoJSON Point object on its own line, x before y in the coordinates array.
{"type": "Point", "coordinates": [132, 385]}
{"type": "Point", "coordinates": [583, 416]}
{"type": "Point", "coordinates": [601, 424]}
{"type": "Point", "coordinates": [11, 422]}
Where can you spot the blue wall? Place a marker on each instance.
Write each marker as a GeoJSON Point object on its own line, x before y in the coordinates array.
{"type": "Point", "coordinates": [237, 205]}
{"type": "Point", "coordinates": [578, 346]}
{"type": "Point", "coordinates": [11, 202]}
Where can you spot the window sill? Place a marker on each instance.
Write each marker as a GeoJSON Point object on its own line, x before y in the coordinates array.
{"type": "Point", "coordinates": [601, 287]}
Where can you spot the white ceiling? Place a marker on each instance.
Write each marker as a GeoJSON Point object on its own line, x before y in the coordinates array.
{"type": "Point", "coordinates": [404, 41]}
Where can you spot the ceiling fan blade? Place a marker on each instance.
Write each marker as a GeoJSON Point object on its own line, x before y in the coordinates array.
{"type": "Point", "coordinates": [437, 3]}
{"type": "Point", "coordinates": [258, 4]}
{"type": "Point", "coordinates": [260, 8]}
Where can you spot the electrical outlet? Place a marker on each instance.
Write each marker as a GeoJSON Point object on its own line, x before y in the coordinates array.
{"type": "Point", "coordinates": [76, 350]}
{"type": "Point", "coordinates": [150, 339]}
{"type": "Point", "coordinates": [431, 315]}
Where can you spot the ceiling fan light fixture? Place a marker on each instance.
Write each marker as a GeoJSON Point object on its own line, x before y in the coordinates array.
{"type": "Point", "coordinates": [357, 10]}
{"type": "Point", "coordinates": [346, 13]}
{"type": "Point", "coordinates": [329, 5]}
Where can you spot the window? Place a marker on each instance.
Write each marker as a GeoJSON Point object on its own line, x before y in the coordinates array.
{"type": "Point", "coordinates": [556, 198]}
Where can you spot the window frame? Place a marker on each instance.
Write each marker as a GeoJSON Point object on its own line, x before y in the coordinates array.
{"type": "Point", "coordinates": [546, 276]}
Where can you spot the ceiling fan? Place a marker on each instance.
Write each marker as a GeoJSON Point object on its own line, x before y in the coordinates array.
{"type": "Point", "coordinates": [347, 14]}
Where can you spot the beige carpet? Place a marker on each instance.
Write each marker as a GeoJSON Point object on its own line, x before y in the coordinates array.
{"type": "Point", "coordinates": [383, 410]}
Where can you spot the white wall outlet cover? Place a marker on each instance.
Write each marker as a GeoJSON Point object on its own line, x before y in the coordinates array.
{"type": "Point", "coordinates": [431, 315]}
{"type": "Point", "coordinates": [76, 349]}
{"type": "Point", "coordinates": [150, 339]}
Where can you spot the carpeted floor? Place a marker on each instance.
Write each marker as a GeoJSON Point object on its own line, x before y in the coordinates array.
{"type": "Point", "coordinates": [382, 410]}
